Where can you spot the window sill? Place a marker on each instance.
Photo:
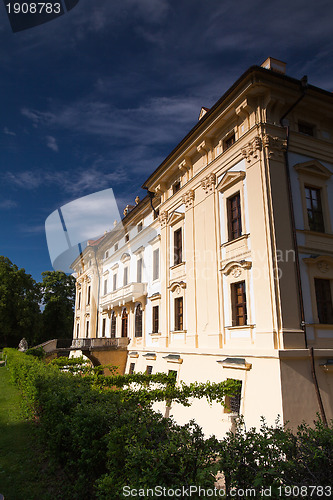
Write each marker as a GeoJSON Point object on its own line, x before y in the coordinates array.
{"type": "Point", "coordinates": [177, 265]}
{"type": "Point", "coordinates": [178, 331]}
{"type": "Point", "coordinates": [155, 334]}
{"type": "Point", "coordinates": [240, 238]}
{"type": "Point", "coordinates": [240, 327]}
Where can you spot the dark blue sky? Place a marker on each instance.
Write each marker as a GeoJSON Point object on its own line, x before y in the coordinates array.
{"type": "Point", "coordinates": [98, 97]}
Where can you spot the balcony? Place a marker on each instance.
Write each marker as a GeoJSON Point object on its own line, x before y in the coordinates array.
{"type": "Point", "coordinates": [99, 344]}
{"type": "Point", "coordinates": [128, 293]}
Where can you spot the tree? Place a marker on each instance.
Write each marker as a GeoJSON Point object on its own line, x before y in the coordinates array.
{"type": "Point", "coordinates": [19, 305]}
{"type": "Point", "coordinates": [58, 291]}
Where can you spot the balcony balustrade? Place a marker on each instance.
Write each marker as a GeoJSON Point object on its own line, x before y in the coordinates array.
{"type": "Point", "coordinates": [99, 343]}
{"type": "Point", "coordinates": [128, 293]}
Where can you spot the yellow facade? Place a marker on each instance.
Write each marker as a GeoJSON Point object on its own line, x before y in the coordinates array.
{"type": "Point", "coordinates": [231, 274]}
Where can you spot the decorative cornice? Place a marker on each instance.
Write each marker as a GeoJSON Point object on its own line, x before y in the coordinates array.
{"type": "Point", "coordinates": [185, 165]}
{"type": "Point", "coordinates": [162, 218]}
{"type": "Point", "coordinates": [236, 268]}
{"type": "Point", "coordinates": [208, 183]}
{"type": "Point", "coordinates": [251, 151]}
{"type": "Point", "coordinates": [274, 145]}
{"type": "Point", "coordinates": [178, 286]}
{"type": "Point", "coordinates": [324, 263]}
{"type": "Point", "coordinates": [188, 198]}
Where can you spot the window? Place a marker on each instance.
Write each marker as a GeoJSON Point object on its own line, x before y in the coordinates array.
{"type": "Point", "coordinates": [106, 254]}
{"type": "Point", "coordinates": [114, 282]}
{"type": "Point", "coordinates": [88, 295]}
{"type": "Point", "coordinates": [149, 370]}
{"type": "Point", "coordinates": [179, 313]}
{"type": "Point", "coordinates": [229, 142]}
{"type": "Point", "coordinates": [125, 276]}
{"type": "Point", "coordinates": [87, 329]}
{"type": "Point", "coordinates": [103, 327]}
{"type": "Point", "coordinates": [233, 402]}
{"type": "Point", "coordinates": [177, 247]}
{"type": "Point", "coordinates": [126, 237]}
{"type": "Point", "coordinates": [314, 209]}
{"type": "Point", "coordinates": [79, 301]}
{"type": "Point", "coordinates": [115, 247]}
{"type": "Point", "coordinates": [306, 128]}
{"type": "Point", "coordinates": [156, 264]}
{"type": "Point", "coordinates": [77, 330]}
{"type": "Point", "coordinates": [324, 300]}
{"type": "Point", "coordinates": [155, 319]}
{"type": "Point", "coordinates": [238, 302]}
{"type": "Point", "coordinates": [140, 226]}
{"type": "Point", "coordinates": [124, 323]}
{"type": "Point", "coordinates": [176, 187]}
{"type": "Point", "coordinates": [234, 217]}
{"type": "Point", "coordinates": [139, 265]}
{"type": "Point", "coordinates": [131, 368]}
{"type": "Point", "coordinates": [113, 325]}
{"type": "Point", "coordinates": [105, 287]}
{"type": "Point", "coordinates": [138, 321]}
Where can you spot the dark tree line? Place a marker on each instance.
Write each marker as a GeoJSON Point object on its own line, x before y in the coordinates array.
{"type": "Point", "coordinates": [36, 311]}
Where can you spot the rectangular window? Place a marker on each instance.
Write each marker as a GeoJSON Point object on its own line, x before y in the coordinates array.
{"type": "Point", "coordinates": [149, 370]}
{"type": "Point", "coordinates": [87, 329]}
{"type": "Point", "coordinates": [88, 295]}
{"type": "Point", "coordinates": [140, 226]}
{"type": "Point", "coordinates": [105, 287]}
{"type": "Point", "coordinates": [131, 368]}
{"type": "Point", "coordinates": [233, 403]}
{"type": "Point", "coordinates": [234, 217]}
{"type": "Point", "coordinates": [324, 300]}
{"type": "Point", "coordinates": [314, 209]}
{"type": "Point", "coordinates": [107, 254]}
{"type": "Point", "coordinates": [156, 264]}
{"type": "Point", "coordinates": [176, 187]}
{"type": "Point", "coordinates": [238, 302]}
{"type": "Point", "coordinates": [77, 330]}
{"type": "Point", "coordinates": [79, 301]}
{"type": "Point", "coordinates": [306, 128]}
{"type": "Point", "coordinates": [229, 142]}
{"type": "Point", "coordinates": [155, 319]}
{"type": "Point", "coordinates": [115, 247]}
{"type": "Point", "coordinates": [179, 314]}
{"type": "Point", "coordinates": [125, 276]}
{"type": "Point", "coordinates": [177, 247]}
{"type": "Point", "coordinates": [114, 282]}
{"type": "Point", "coordinates": [126, 238]}
{"type": "Point", "coordinates": [139, 265]}
{"type": "Point", "coordinates": [103, 327]}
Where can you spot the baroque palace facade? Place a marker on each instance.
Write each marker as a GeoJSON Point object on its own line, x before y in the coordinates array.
{"type": "Point", "coordinates": [225, 269]}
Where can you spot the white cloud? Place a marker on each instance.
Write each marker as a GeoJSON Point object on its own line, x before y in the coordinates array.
{"type": "Point", "coordinates": [51, 143]}
{"type": "Point", "coordinates": [8, 132]}
{"type": "Point", "coordinates": [83, 180]}
{"type": "Point", "coordinates": [8, 204]}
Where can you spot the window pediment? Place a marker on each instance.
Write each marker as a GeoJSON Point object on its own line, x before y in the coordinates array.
{"type": "Point", "coordinates": [125, 257]}
{"type": "Point", "coordinates": [314, 168]}
{"type": "Point", "coordinates": [236, 267]}
{"type": "Point", "coordinates": [175, 217]}
{"type": "Point", "coordinates": [229, 179]}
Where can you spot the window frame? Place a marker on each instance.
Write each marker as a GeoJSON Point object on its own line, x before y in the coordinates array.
{"type": "Point", "coordinates": [236, 305]}
{"type": "Point", "coordinates": [179, 314]}
{"type": "Point", "coordinates": [326, 302]}
{"type": "Point", "coordinates": [138, 321]}
{"type": "Point", "coordinates": [178, 246]}
{"type": "Point", "coordinates": [113, 325]}
{"type": "Point", "coordinates": [232, 234]}
{"type": "Point", "coordinates": [155, 319]}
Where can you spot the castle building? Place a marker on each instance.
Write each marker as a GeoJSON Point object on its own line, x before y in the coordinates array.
{"type": "Point", "coordinates": [225, 269]}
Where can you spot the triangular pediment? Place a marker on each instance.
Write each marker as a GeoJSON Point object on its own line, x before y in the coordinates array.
{"type": "Point", "coordinates": [229, 179]}
{"type": "Point", "coordinates": [313, 167]}
{"type": "Point", "coordinates": [175, 217]}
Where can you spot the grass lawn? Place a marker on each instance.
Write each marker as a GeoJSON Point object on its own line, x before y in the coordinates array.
{"type": "Point", "coordinates": [24, 471]}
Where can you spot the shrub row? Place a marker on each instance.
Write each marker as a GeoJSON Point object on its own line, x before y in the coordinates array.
{"type": "Point", "coordinates": [104, 441]}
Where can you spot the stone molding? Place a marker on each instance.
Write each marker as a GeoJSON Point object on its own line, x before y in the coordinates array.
{"type": "Point", "coordinates": [208, 183]}
{"type": "Point", "coordinates": [251, 151]}
{"type": "Point", "coordinates": [188, 199]}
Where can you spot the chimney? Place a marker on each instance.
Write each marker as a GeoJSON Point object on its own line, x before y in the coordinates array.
{"type": "Point", "coordinates": [274, 65]}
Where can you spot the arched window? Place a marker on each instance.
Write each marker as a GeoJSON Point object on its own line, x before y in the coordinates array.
{"type": "Point", "coordinates": [138, 321]}
{"type": "Point", "coordinates": [113, 325]}
{"type": "Point", "coordinates": [124, 323]}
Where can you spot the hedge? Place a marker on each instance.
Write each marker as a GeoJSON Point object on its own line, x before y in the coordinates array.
{"type": "Point", "coordinates": [107, 439]}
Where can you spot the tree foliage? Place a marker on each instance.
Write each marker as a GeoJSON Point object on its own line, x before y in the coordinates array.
{"type": "Point", "coordinates": [58, 297]}
{"type": "Point", "coordinates": [19, 305]}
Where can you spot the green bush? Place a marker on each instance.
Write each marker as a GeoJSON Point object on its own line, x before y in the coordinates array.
{"type": "Point", "coordinates": [106, 439]}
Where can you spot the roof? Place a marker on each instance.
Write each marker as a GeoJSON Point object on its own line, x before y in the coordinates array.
{"type": "Point", "coordinates": [249, 73]}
